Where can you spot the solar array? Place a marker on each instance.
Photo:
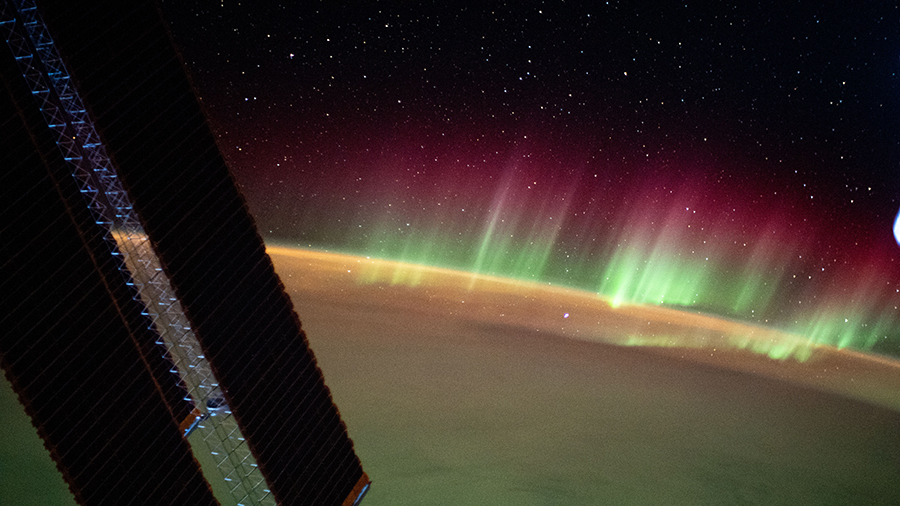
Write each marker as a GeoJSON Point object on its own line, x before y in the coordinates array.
{"type": "Point", "coordinates": [143, 317]}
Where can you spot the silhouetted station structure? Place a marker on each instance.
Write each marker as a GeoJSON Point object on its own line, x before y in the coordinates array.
{"type": "Point", "coordinates": [74, 342]}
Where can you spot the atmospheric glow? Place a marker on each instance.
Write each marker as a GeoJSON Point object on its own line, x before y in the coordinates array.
{"type": "Point", "coordinates": [647, 242]}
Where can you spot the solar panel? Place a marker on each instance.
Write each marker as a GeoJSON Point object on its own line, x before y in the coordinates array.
{"type": "Point", "coordinates": [205, 332]}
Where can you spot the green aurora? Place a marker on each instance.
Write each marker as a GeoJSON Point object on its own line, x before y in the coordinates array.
{"type": "Point", "coordinates": [671, 254]}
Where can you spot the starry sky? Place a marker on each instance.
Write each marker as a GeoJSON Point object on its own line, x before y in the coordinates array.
{"type": "Point", "coordinates": [741, 160]}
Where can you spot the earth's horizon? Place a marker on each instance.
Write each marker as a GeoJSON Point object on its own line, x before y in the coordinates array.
{"type": "Point", "coordinates": [585, 316]}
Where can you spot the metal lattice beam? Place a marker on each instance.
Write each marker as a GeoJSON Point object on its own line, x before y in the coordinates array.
{"type": "Point", "coordinates": [80, 145]}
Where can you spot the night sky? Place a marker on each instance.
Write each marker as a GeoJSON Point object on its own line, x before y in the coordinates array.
{"type": "Point", "coordinates": [741, 160]}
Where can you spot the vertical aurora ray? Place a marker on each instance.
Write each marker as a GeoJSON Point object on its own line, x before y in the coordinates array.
{"type": "Point", "coordinates": [653, 263]}
{"type": "Point", "coordinates": [850, 315]}
{"type": "Point", "coordinates": [673, 255]}
{"type": "Point", "coordinates": [487, 237]}
{"type": "Point", "coordinates": [523, 228]}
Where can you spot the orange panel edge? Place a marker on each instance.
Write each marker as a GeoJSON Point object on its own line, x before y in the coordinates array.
{"type": "Point", "coordinates": [358, 492]}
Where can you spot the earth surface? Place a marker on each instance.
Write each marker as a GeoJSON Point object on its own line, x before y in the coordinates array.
{"type": "Point", "coordinates": [462, 389]}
